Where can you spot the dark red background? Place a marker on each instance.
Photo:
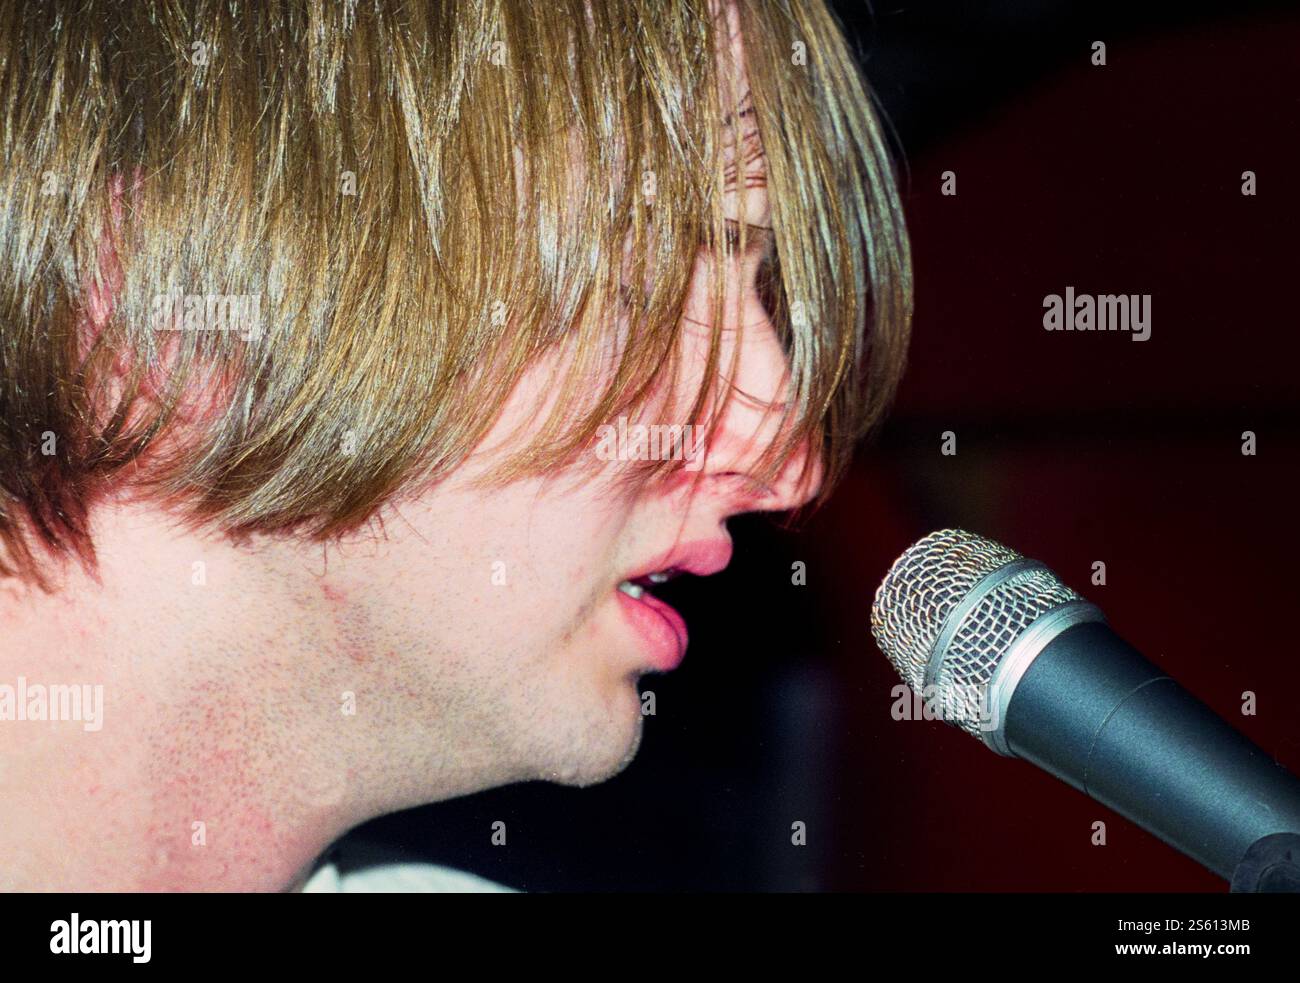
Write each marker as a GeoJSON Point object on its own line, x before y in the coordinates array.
{"type": "Point", "coordinates": [1074, 448]}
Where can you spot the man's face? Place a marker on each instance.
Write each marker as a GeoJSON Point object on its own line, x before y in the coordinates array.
{"type": "Point", "coordinates": [497, 617]}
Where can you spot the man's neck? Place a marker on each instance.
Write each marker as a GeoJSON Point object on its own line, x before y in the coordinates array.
{"type": "Point", "coordinates": [203, 751]}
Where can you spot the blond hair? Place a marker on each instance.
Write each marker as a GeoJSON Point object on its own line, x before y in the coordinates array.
{"type": "Point", "coordinates": [395, 184]}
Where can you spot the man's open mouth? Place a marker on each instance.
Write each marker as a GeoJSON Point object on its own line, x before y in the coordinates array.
{"type": "Point", "coordinates": [638, 586]}
{"type": "Point", "coordinates": [660, 626]}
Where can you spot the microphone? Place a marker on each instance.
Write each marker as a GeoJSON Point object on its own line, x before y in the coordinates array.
{"type": "Point", "coordinates": [998, 646]}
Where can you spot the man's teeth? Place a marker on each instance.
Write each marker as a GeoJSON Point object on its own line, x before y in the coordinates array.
{"type": "Point", "coordinates": [636, 590]}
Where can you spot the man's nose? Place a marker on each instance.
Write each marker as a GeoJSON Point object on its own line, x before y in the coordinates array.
{"type": "Point", "coordinates": [751, 423]}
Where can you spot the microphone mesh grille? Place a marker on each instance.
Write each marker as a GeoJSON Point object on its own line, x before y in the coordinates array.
{"type": "Point", "coordinates": [985, 634]}
{"type": "Point", "coordinates": [921, 590]}
{"type": "Point", "coordinates": [921, 593]}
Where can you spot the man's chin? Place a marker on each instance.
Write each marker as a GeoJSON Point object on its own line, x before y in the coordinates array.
{"type": "Point", "coordinates": [604, 751]}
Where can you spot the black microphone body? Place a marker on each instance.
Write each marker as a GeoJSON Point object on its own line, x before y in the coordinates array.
{"type": "Point", "coordinates": [1095, 713]}
{"type": "Point", "coordinates": [1019, 660]}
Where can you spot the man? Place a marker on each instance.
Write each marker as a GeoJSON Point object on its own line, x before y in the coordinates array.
{"type": "Point", "coordinates": [364, 367]}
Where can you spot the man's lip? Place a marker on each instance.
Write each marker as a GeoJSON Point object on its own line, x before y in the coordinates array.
{"type": "Point", "coordinates": [701, 557]}
{"type": "Point", "coordinates": [662, 629]}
